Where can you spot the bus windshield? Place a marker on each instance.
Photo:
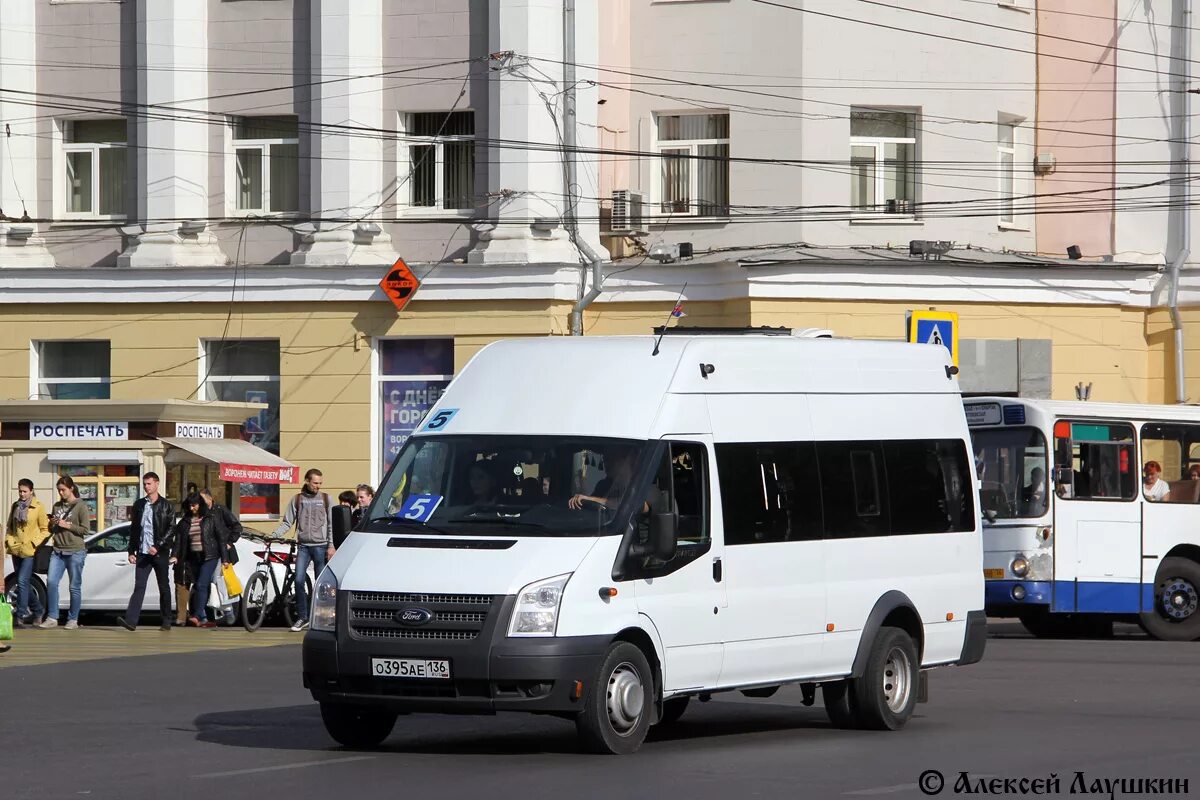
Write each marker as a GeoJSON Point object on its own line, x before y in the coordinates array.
{"type": "Point", "coordinates": [1012, 466]}
{"type": "Point", "coordinates": [528, 485]}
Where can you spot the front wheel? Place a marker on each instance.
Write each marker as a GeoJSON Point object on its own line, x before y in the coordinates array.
{"type": "Point", "coordinates": [1175, 616]}
{"type": "Point", "coordinates": [254, 601]}
{"type": "Point", "coordinates": [290, 612]}
{"type": "Point", "coordinates": [357, 728]}
{"type": "Point", "coordinates": [672, 710]}
{"type": "Point", "coordinates": [619, 703]}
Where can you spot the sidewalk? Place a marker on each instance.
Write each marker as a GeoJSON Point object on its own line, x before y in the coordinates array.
{"type": "Point", "coordinates": [33, 647]}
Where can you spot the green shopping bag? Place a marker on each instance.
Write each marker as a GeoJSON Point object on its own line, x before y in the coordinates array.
{"type": "Point", "coordinates": [6, 620]}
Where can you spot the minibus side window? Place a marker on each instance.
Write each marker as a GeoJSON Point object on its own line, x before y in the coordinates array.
{"type": "Point", "coordinates": [852, 494]}
{"type": "Point", "coordinates": [929, 487]}
{"type": "Point", "coordinates": [679, 485]}
{"type": "Point", "coordinates": [770, 492]}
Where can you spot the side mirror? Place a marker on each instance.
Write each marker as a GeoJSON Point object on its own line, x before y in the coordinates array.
{"type": "Point", "coordinates": [663, 538]}
{"type": "Point", "coordinates": [342, 524]}
{"type": "Point", "coordinates": [990, 514]}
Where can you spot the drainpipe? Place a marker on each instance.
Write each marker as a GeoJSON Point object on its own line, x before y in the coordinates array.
{"type": "Point", "coordinates": [569, 139]}
{"type": "Point", "coordinates": [1185, 199]}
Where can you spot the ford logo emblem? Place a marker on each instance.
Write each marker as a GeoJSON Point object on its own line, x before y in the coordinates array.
{"type": "Point", "coordinates": [413, 616]}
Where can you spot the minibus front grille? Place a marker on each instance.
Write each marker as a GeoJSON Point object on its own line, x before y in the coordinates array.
{"type": "Point", "coordinates": [440, 617]}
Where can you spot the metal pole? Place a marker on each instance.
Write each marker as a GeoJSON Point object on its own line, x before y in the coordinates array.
{"type": "Point", "coordinates": [1185, 166]}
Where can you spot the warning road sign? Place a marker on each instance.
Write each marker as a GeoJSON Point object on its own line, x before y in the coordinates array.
{"type": "Point", "coordinates": [399, 284]}
{"type": "Point", "coordinates": [935, 327]}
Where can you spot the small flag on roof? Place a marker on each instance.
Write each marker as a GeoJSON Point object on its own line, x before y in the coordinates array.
{"type": "Point", "coordinates": [677, 312]}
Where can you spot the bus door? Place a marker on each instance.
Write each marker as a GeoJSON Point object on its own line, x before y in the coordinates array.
{"type": "Point", "coordinates": [1097, 517]}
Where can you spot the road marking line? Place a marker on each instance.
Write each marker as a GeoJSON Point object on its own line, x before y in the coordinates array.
{"type": "Point", "coordinates": [279, 767]}
{"type": "Point", "coordinates": [899, 787]}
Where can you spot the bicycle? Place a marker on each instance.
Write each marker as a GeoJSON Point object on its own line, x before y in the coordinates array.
{"type": "Point", "coordinates": [264, 594]}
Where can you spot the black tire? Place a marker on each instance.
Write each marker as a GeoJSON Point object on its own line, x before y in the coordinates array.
{"type": "Point", "coordinates": [290, 612]}
{"type": "Point", "coordinates": [673, 709]}
{"type": "Point", "coordinates": [619, 703]}
{"type": "Point", "coordinates": [840, 705]}
{"type": "Point", "coordinates": [36, 589]}
{"type": "Point", "coordinates": [355, 727]}
{"type": "Point", "coordinates": [254, 602]}
{"type": "Point", "coordinates": [886, 694]}
{"type": "Point", "coordinates": [1175, 616]}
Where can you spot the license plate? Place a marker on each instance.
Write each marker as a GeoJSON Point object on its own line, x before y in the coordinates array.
{"type": "Point", "coordinates": [437, 668]}
{"type": "Point", "coordinates": [993, 574]}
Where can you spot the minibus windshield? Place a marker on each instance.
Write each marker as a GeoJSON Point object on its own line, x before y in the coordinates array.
{"type": "Point", "coordinates": [523, 485]}
{"type": "Point", "coordinates": [1013, 474]}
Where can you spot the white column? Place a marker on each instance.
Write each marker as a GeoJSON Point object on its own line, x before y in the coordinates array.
{"type": "Point", "coordinates": [20, 244]}
{"type": "Point", "coordinates": [172, 144]}
{"type": "Point", "coordinates": [525, 105]}
{"type": "Point", "coordinates": [347, 173]}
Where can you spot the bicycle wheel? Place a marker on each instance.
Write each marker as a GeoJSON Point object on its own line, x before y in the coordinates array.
{"type": "Point", "coordinates": [254, 601]}
{"type": "Point", "coordinates": [290, 612]}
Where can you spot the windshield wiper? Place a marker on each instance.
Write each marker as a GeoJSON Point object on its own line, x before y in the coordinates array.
{"type": "Point", "coordinates": [424, 526]}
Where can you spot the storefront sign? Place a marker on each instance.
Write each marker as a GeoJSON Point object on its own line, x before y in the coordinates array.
{"type": "Point", "coordinates": [249, 473]}
{"type": "Point", "coordinates": [78, 431]}
{"type": "Point", "coordinates": [198, 430]}
{"type": "Point", "coordinates": [399, 284]}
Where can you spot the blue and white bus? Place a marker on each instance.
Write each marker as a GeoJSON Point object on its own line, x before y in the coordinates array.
{"type": "Point", "coordinates": [1091, 514]}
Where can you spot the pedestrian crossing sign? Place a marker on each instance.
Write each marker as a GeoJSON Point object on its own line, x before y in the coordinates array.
{"type": "Point", "coordinates": [937, 328]}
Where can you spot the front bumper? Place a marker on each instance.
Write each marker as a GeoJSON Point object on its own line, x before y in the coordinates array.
{"type": "Point", "coordinates": [490, 673]}
{"type": "Point", "coordinates": [999, 600]}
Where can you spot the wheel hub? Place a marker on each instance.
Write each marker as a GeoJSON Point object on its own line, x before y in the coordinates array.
{"type": "Point", "coordinates": [897, 679]}
{"type": "Point", "coordinates": [1179, 599]}
{"type": "Point", "coordinates": [626, 698]}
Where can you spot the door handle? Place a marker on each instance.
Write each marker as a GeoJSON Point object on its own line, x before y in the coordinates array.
{"type": "Point", "coordinates": [717, 570]}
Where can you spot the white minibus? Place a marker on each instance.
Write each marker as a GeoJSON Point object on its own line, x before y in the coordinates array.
{"type": "Point", "coordinates": [604, 528]}
{"type": "Point", "coordinates": [1092, 514]}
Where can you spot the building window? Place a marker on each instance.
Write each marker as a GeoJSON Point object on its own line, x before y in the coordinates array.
{"type": "Point", "coordinates": [1006, 157]}
{"type": "Point", "coordinates": [412, 375]}
{"type": "Point", "coordinates": [266, 165]}
{"type": "Point", "coordinates": [883, 161]}
{"type": "Point", "coordinates": [439, 160]}
{"type": "Point", "coordinates": [94, 155]}
{"type": "Point", "coordinates": [694, 151]}
{"type": "Point", "coordinates": [72, 370]}
{"type": "Point", "coordinates": [247, 371]}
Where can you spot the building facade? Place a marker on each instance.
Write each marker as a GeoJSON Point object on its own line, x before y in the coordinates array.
{"type": "Point", "coordinates": [199, 197]}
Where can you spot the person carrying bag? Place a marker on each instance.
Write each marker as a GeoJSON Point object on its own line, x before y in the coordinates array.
{"type": "Point", "coordinates": [27, 539]}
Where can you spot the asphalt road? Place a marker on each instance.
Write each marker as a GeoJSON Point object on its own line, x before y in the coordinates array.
{"type": "Point", "coordinates": [233, 723]}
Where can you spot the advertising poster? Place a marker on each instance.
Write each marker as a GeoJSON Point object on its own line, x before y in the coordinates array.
{"type": "Point", "coordinates": [405, 404]}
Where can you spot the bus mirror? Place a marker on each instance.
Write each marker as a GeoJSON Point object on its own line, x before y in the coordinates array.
{"type": "Point", "coordinates": [663, 539]}
{"type": "Point", "coordinates": [341, 524]}
{"type": "Point", "coordinates": [1063, 475]}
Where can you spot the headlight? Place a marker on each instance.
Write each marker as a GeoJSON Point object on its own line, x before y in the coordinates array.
{"type": "Point", "coordinates": [1019, 566]}
{"type": "Point", "coordinates": [536, 612]}
{"type": "Point", "coordinates": [324, 603]}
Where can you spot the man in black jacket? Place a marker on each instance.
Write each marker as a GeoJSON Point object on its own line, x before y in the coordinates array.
{"type": "Point", "coordinates": [151, 540]}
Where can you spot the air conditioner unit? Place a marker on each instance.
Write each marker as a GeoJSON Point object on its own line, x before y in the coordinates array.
{"type": "Point", "coordinates": [627, 217]}
{"type": "Point", "coordinates": [1044, 163]}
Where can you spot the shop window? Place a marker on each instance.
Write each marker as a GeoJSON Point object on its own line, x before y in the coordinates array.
{"type": "Point", "coordinates": [247, 371]}
{"type": "Point", "coordinates": [72, 370]}
{"type": "Point", "coordinates": [412, 375]}
{"type": "Point", "coordinates": [108, 489]}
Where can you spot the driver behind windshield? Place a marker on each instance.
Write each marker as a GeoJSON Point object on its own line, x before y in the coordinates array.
{"type": "Point", "coordinates": [610, 489]}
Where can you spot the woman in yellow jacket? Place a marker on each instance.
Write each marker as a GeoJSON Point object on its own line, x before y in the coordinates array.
{"type": "Point", "coordinates": [28, 527]}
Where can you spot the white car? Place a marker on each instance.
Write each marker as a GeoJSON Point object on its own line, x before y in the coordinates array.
{"type": "Point", "coordinates": [108, 576]}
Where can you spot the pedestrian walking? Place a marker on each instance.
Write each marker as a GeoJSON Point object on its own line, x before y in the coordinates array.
{"type": "Point", "coordinates": [151, 545]}
{"type": "Point", "coordinates": [201, 540]}
{"type": "Point", "coordinates": [366, 494]}
{"type": "Point", "coordinates": [28, 528]}
{"type": "Point", "coordinates": [311, 513]}
{"type": "Point", "coordinates": [70, 522]}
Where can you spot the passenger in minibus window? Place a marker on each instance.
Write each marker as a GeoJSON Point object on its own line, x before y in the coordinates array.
{"type": "Point", "coordinates": [1153, 485]}
{"type": "Point", "coordinates": [1194, 472]}
{"type": "Point", "coordinates": [483, 484]}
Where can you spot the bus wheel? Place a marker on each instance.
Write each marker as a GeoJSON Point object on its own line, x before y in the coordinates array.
{"type": "Point", "coordinates": [672, 710]}
{"type": "Point", "coordinates": [619, 704]}
{"type": "Point", "coordinates": [886, 693]}
{"type": "Point", "coordinates": [1175, 616]}
{"type": "Point", "coordinates": [840, 706]}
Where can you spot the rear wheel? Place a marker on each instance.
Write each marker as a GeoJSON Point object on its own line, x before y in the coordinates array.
{"type": "Point", "coordinates": [357, 728]}
{"type": "Point", "coordinates": [886, 693]}
{"type": "Point", "coordinates": [1175, 616]}
{"type": "Point", "coordinates": [254, 601]}
{"type": "Point", "coordinates": [290, 611]}
{"type": "Point", "coordinates": [619, 703]}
